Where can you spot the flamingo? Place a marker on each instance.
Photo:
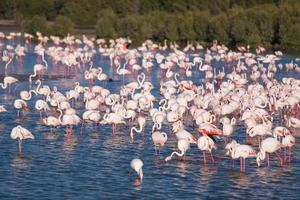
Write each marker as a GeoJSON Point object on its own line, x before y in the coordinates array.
{"type": "Point", "coordinates": [41, 105]}
{"type": "Point", "coordinates": [68, 120]}
{"type": "Point", "coordinates": [26, 95]}
{"type": "Point", "coordinates": [8, 81]}
{"type": "Point", "coordinates": [206, 143]}
{"type": "Point", "coordinates": [242, 151]}
{"type": "Point", "coordinates": [20, 133]}
{"type": "Point", "coordinates": [159, 140]}
{"type": "Point", "coordinates": [20, 104]}
{"type": "Point", "coordinates": [288, 141]}
{"type": "Point", "coordinates": [7, 59]}
{"type": "Point", "coordinates": [141, 122]}
{"type": "Point", "coordinates": [268, 145]}
{"type": "Point", "coordinates": [123, 71]}
{"type": "Point", "coordinates": [37, 68]}
{"type": "Point", "coordinates": [183, 145]}
{"type": "Point", "coordinates": [137, 164]}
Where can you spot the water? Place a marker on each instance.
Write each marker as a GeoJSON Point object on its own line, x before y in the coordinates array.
{"type": "Point", "coordinates": [95, 165]}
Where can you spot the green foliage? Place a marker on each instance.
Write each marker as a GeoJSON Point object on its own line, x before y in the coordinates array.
{"type": "Point", "coordinates": [231, 22]}
{"type": "Point", "coordinates": [105, 27]}
{"type": "Point", "coordinates": [30, 8]}
{"type": "Point", "coordinates": [219, 29]}
{"type": "Point", "coordinates": [201, 25]}
{"type": "Point", "coordinates": [37, 24]}
{"type": "Point", "coordinates": [63, 26]}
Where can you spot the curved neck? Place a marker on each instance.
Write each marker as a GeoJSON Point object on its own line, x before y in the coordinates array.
{"type": "Point", "coordinates": [43, 59]}
{"type": "Point", "coordinates": [200, 65]}
{"type": "Point", "coordinates": [176, 153]}
{"type": "Point", "coordinates": [60, 116]}
{"type": "Point", "coordinates": [118, 69]}
{"type": "Point", "coordinates": [38, 86]}
{"type": "Point", "coordinates": [176, 79]}
{"type": "Point", "coordinates": [3, 86]}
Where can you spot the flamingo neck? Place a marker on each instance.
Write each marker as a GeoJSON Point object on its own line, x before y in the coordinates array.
{"type": "Point", "coordinates": [60, 116]}
{"type": "Point", "coordinates": [38, 87]}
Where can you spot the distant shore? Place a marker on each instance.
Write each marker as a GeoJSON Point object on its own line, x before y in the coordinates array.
{"type": "Point", "coordinates": [7, 26]}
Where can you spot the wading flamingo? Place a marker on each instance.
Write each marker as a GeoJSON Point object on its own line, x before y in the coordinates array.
{"type": "Point", "coordinates": [20, 133]}
{"type": "Point", "coordinates": [137, 164]}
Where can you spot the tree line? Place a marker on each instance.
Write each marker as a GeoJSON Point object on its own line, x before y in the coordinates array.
{"type": "Point", "coordinates": [270, 23]}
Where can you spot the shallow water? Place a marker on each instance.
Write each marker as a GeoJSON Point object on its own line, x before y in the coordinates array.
{"type": "Point", "coordinates": [95, 165]}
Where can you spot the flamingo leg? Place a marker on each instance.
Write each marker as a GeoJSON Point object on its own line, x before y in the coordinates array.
{"type": "Point", "coordinates": [20, 147]}
{"type": "Point", "coordinates": [231, 163]}
{"type": "Point", "coordinates": [212, 157]}
{"type": "Point", "coordinates": [285, 154]}
{"type": "Point", "coordinates": [290, 153]}
{"type": "Point", "coordinates": [268, 159]}
{"type": "Point", "coordinates": [241, 165]}
{"type": "Point", "coordinates": [204, 158]}
{"type": "Point", "coordinates": [81, 129]}
{"type": "Point", "coordinates": [280, 159]}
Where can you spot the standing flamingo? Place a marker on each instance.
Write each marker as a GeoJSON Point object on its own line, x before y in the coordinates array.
{"type": "Point", "coordinates": [7, 81]}
{"type": "Point", "coordinates": [268, 145]}
{"type": "Point", "coordinates": [20, 133]}
{"type": "Point", "coordinates": [242, 151]}
{"type": "Point", "coordinates": [183, 145]}
{"type": "Point", "coordinates": [141, 122]}
{"type": "Point", "coordinates": [37, 69]}
{"type": "Point", "coordinates": [159, 140]}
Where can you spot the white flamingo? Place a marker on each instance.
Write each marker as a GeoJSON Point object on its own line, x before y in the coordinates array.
{"type": "Point", "coordinates": [20, 133]}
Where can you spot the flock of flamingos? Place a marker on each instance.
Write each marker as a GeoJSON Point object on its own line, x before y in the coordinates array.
{"type": "Point", "coordinates": [244, 90]}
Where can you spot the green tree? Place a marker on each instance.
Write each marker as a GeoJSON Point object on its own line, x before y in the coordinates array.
{"type": "Point", "coordinates": [264, 19]}
{"type": "Point", "coordinates": [37, 24]}
{"type": "Point", "coordinates": [219, 28]}
{"type": "Point", "coordinates": [201, 25]}
{"type": "Point", "coordinates": [185, 27]}
{"type": "Point", "coordinates": [129, 27]}
{"type": "Point", "coordinates": [105, 27]}
{"type": "Point", "coordinates": [171, 28]}
{"type": "Point", "coordinates": [63, 25]}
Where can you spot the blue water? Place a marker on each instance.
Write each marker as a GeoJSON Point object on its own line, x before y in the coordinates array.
{"type": "Point", "coordinates": [95, 165]}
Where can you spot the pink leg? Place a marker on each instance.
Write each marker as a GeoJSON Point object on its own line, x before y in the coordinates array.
{"type": "Point", "coordinates": [290, 153]}
{"type": "Point", "coordinates": [20, 146]}
{"type": "Point", "coordinates": [212, 157]}
{"type": "Point", "coordinates": [280, 159]}
{"type": "Point", "coordinates": [204, 158]}
{"type": "Point", "coordinates": [231, 163]}
{"type": "Point", "coordinates": [268, 159]}
{"type": "Point", "coordinates": [241, 164]}
{"type": "Point", "coordinates": [285, 153]}
{"type": "Point", "coordinates": [81, 129]}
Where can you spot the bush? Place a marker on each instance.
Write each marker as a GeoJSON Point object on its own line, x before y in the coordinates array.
{"type": "Point", "coordinates": [105, 27]}
{"type": "Point", "coordinates": [63, 25]}
{"type": "Point", "coordinates": [37, 24]}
